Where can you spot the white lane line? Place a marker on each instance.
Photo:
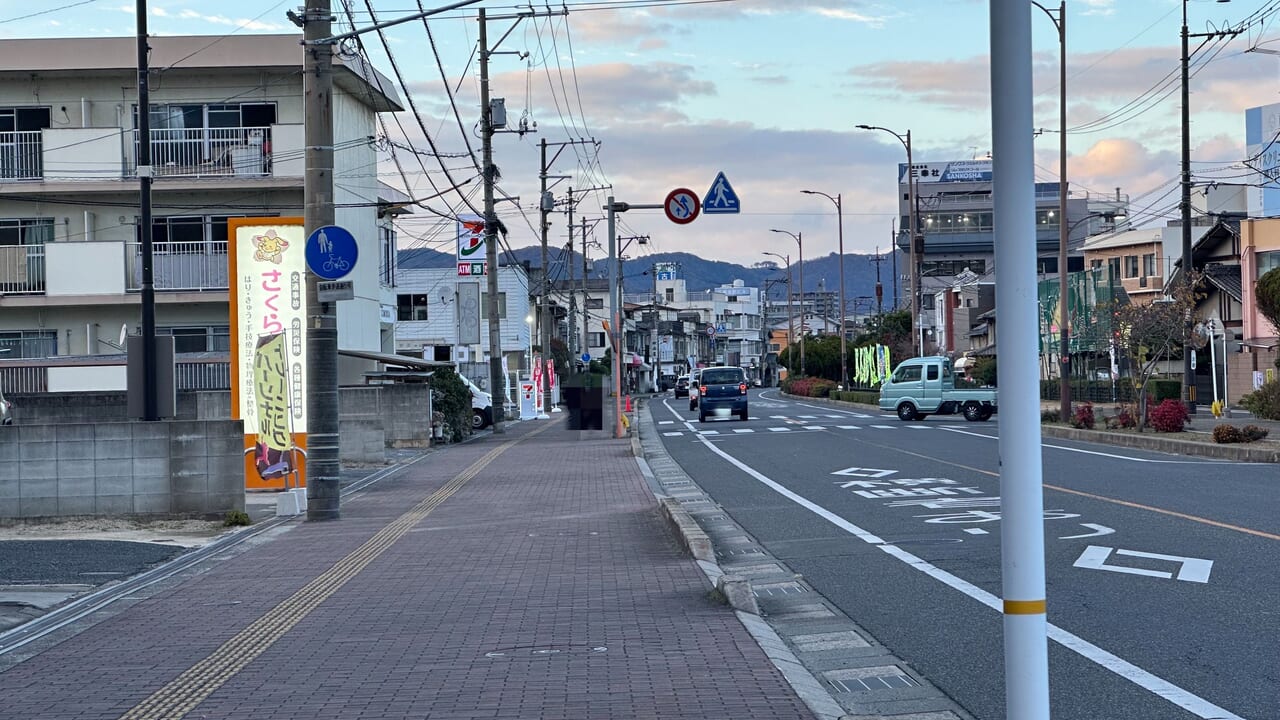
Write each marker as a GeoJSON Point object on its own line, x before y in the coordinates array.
{"type": "Point", "coordinates": [847, 427]}
{"type": "Point", "coordinates": [837, 417]}
{"type": "Point", "coordinates": [779, 429]}
{"type": "Point", "coordinates": [883, 427]}
{"type": "Point", "coordinates": [747, 430]}
{"type": "Point", "coordinates": [666, 422]}
{"type": "Point", "coordinates": [709, 432]}
{"type": "Point", "coordinates": [1160, 687]}
{"type": "Point", "coordinates": [779, 417]}
{"type": "Point", "coordinates": [1099, 453]}
{"type": "Point", "coordinates": [976, 531]}
{"type": "Point", "coordinates": [807, 417]}
{"type": "Point", "coordinates": [813, 427]}
{"type": "Point", "coordinates": [672, 434]}
{"type": "Point", "coordinates": [919, 427]}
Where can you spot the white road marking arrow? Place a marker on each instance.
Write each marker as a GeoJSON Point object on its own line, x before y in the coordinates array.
{"type": "Point", "coordinates": [863, 472]}
{"type": "Point", "coordinates": [1095, 557]}
{"type": "Point", "coordinates": [1097, 531]}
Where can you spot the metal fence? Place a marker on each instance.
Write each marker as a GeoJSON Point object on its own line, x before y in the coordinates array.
{"type": "Point", "coordinates": [32, 376]}
{"type": "Point", "coordinates": [204, 152]}
{"type": "Point", "coordinates": [21, 155]}
{"type": "Point", "coordinates": [196, 265]}
{"type": "Point", "coordinates": [22, 269]}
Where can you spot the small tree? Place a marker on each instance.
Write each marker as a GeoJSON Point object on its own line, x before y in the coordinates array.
{"type": "Point", "coordinates": [1266, 294]}
{"type": "Point", "coordinates": [1151, 333]}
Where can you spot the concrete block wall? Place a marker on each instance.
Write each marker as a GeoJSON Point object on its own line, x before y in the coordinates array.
{"type": "Point", "coordinates": [165, 468]}
{"type": "Point", "coordinates": [406, 415]}
{"type": "Point", "coordinates": [361, 437]}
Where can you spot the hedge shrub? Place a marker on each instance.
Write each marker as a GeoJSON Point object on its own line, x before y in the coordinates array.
{"type": "Point", "coordinates": [1264, 402]}
{"type": "Point", "coordinates": [1169, 416]}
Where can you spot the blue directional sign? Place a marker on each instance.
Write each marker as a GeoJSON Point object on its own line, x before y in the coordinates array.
{"type": "Point", "coordinates": [586, 357]}
{"type": "Point", "coordinates": [331, 252]}
{"type": "Point", "coordinates": [721, 199]}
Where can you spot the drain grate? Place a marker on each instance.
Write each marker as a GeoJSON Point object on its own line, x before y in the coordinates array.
{"type": "Point", "coordinates": [879, 682]}
{"type": "Point", "coordinates": [856, 680]}
{"type": "Point", "coordinates": [779, 589]}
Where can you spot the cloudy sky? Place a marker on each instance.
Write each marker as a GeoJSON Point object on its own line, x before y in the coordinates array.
{"type": "Point", "coordinates": [770, 92]}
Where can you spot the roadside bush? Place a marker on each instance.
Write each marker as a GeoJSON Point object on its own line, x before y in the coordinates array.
{"type": "Point", "coordinates": [1253, 433]}
{"type": "Point", "coordinates": [1225, 434]}
{"type": "Point", "coordinates": [1160, 389]}
{"type": "Point", "coordinates": [452, 398]}
{"type": "Point", "coordinates": [1082, 417]}
{"type": "Point", "coordinates": [235, 518]}
{"type": "Point", "coordinates": [1050, 416]}
{"type": "Point", "coordinates": [1169, 416]}
{"type": "Point", "coordinates": [865, 397]}
{"type": "Point", "coordinates": [1264, 402]}
{"type": "Point", "coordinates": [812, 387]}
{"type": "Point", "coordinates": [1124, 419]}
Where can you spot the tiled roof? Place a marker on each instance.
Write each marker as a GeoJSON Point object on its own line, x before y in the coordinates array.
{"type": "Point", "coordinates": [1226, 278]}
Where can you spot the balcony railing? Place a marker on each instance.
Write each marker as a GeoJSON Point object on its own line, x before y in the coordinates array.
{"type": "Point", "coordinates": [208, 152]}
{"type": "Point", "coordinates": [21, 269]}
{"type": "Point", "coordinates": [190, 266]}
{"type": "Point", "coordinates": [20, 155]}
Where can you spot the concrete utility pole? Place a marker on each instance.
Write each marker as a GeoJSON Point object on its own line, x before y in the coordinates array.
{"type": "Point", "coordinates": [1064, 234]}
{"type": "Point", "coordinates": [546, 204]}
{"type": "Point", "coordinates": [323, 464]}
{"type": "Point", "coordinates": [497, 381]}
{"type": "Point", "coordinates": [150, 363]}
{"type": "Point", "coordinates": [1022, 497]}
{"type": "Point", "coordinates": [653, 333]}
{"type": "Point", "coordinates": [1188, 350]}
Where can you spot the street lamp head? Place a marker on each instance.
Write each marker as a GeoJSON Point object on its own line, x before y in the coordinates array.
{"type": "Point", "coordinates": [864, 127]}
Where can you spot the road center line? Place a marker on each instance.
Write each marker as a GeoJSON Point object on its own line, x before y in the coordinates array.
{"type": "Point", "coordinates": [1158, 686]}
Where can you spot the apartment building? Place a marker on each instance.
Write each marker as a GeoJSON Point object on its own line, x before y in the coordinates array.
{"type": "Point", "coordinates": [226, 140]}
{"type": "Point", "coordinates": [957, 225]}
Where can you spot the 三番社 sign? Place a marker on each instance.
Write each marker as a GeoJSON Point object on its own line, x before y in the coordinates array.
{"type": "Point", "coordinates": [269, 348]}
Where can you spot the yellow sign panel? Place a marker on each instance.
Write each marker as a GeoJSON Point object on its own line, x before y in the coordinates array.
{"type": "Point", "coordinates": [269, 348]}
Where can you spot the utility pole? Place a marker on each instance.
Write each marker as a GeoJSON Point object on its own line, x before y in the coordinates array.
{"type": "Point", "coordinates": [1064, 233]}
{"type": "Point", "coordinates": [497, 382]}
{"type": "Point", "coordinates": [879, 287]}
{"type": "Point", "coordinates": [571, 321]}
{"type": "Point", "coordinates": [653, 335]}
{"type": "Point", "coordinates": [586, 313]}
{"type": "Point", "coordinates": [1188, 350]}
{"type": "Point", "coordinates": [150, 363]}
{"type": "Point", "coordinates": [546, 204]}
{"type": "Point", "coordinates": [323, 464]}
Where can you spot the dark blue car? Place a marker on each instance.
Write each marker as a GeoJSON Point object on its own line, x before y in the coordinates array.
{"type": "Point", "coordinates": [722, 391]}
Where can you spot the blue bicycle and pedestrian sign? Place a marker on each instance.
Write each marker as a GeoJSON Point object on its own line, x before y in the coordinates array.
{"type": "Point", "coordinates": [331, 252]}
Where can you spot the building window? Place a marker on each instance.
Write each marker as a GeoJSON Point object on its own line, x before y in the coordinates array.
{"type": "Point", "coordinates": [1149, 264]}
{"type": "Point", "coordinates": [28, 344]}
{"type": "Point", "coordinates": [958, 222]}
{"type": "Point", "coordinates": [412, 307]}
{"type": "Point", "coordinates": [502, 305]}
{"type": "Point", "coordinates": [199, 339]}
{"type": "Point", "coordinates": [595, 339]}
{"type": "Point", "coordinates": [595, 303]}
{"type": "Point", "coordinates": [1131, 266]}
{"type": "Point", "coordinates": [1267, 261]}
{"type": "Point", "coordinates": [387, 259]}
{"type": "Point", "coordinates": [671, 294]}
{"type": "Point", "coordinates": [775, 347]}
{"type": "Point", "coordinates": [1046, 219]}
{"type": "Point", "coordinates": [26, 231]}
{"type": "Point", "coordinates": [1094, 264]}
{"type": "Point", "coordinates": [187, 234]}
{"type": "Point", "coordinates": [951, 268]}
{"type": "Point", "coordinates": [1113, 267]}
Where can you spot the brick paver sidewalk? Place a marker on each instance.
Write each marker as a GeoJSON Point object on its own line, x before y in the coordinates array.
{"type": "Point", "coordinates": [491, 580]}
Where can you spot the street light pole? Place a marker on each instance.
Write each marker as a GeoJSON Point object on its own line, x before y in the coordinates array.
{"type": "Point", "coordinates": [844, 360]}
{"type": "Point", "coordinates": [799, 238]}
{"type": "Point", "coordinates": [790, 313]}
{"type": "Point", "coordinates": [1064, 327]}
{"type": "Point", "coordinates": [913, 213]}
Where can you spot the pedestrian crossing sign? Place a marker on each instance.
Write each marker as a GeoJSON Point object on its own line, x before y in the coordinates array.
{"type": "Point", "coordinates": [720, 199]}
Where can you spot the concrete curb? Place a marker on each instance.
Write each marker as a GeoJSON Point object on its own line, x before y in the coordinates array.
{"type": "Point", "coordinates": [1141, 441]}
{"type": "Point", "coordinates": [1153, 441]}
{"type": "Point", "coordinates": [690, 533]}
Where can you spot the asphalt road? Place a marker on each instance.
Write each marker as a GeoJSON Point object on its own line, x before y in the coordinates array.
{"type": "Point", "coordinates": [1160, 569]}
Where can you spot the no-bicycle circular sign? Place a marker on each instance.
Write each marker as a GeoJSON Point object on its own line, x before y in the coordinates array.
{"type": "Point", "coordinates": [682, 206]}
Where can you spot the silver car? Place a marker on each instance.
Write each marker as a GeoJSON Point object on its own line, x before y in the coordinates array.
{"type": "Point", "coordinates": [6, 410]}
